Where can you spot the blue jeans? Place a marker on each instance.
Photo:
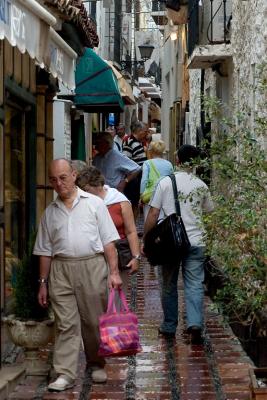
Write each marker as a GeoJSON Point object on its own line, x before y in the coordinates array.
{"type": "Point", "coordinates": [193, 277]}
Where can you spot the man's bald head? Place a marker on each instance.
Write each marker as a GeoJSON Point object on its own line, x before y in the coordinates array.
{"type": "Point", "coordinates": [60, 163]}
{"type": "Point", "coordinates": [62, 177]}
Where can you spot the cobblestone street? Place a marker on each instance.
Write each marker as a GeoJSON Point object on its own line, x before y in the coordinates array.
{"type": "Point", "coordinates": [167, 369]}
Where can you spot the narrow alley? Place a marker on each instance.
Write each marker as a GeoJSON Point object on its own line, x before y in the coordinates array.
{"type": "Point", "coordinates": [166, 369]}
{"type": "Point", "coordinates": [100, 101]}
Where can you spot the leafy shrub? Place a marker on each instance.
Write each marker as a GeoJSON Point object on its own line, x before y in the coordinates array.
{"type": "Point", "coordinates": [236, 230]}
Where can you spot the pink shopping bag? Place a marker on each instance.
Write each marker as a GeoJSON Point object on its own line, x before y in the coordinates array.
{"type": "Point", "coordinates": [118, 330]}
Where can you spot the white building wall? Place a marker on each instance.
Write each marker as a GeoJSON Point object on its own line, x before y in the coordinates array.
{"type": "Point", "coordinates": [88, 137]}
{"type": "Point", "coordinates": [62, 129]}
{"type": "Point", "coordinates": [171, 83]}
{"type": "Point", "coordinates": [249, 31]}
{"type": "Point", "coordinates": [194, 104]}
{"type": "Point", "coordinates": [249, 48]}
{"type": "Point", "coordinates": [104, 15]}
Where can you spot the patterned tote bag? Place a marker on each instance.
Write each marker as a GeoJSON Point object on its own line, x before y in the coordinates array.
{"type": "Point", "coordinates": [118, 330]}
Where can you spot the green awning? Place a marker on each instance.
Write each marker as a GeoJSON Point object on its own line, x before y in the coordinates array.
{"type": "Point", "coordinates": [96, 86]}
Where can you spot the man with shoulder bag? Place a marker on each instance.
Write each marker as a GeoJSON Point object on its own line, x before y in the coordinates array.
{"type": "Point", "coordinates": [193, 199]}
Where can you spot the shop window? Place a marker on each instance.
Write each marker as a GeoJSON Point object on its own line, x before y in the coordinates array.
{"type": "Point", "coordinates": [14, 205]}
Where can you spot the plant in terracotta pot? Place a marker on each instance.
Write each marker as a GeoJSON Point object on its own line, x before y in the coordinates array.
{"type": "Point", "coordinates": [258, 383]}
{"type": "Point", "coordinates": [31, 326]}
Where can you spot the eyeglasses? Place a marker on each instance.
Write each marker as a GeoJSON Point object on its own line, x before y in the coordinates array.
{"type": "Point", "coordinates": [62, 179]}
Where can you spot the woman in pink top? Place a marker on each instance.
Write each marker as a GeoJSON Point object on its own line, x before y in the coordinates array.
{"type": "Point", "coordinates": [91, 180]}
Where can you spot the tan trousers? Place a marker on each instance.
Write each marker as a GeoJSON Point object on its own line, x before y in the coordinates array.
{"type": "Point", "coordinates": [78, 294]}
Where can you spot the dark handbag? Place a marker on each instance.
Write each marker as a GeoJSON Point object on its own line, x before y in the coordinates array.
{"type": "Point", "coordinates": [167, 241]}
{"type": "Point", "coordinates": [124, 253]}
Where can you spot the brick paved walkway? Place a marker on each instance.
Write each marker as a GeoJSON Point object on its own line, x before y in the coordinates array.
{"type": "Point", "coordinates": [166, 369]}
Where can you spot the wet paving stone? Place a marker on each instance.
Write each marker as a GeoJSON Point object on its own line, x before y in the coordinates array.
{"type": "Point", "coordinates": [166, 369]}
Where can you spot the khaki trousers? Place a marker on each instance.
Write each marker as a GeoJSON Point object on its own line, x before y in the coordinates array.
{"type": "Point", "coordinates": [78, 294]}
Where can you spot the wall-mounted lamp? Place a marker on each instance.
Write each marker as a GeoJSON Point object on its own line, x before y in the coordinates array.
{"type": "Point", "coordinates": [174, 35]}
{"type": "Point", "coordinates": [173, 32]}
{"type": "Point", "coordinates": [146, 51]}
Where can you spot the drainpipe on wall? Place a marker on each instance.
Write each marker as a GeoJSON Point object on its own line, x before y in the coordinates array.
{"type": "Point", "coordinates": [202, 93]}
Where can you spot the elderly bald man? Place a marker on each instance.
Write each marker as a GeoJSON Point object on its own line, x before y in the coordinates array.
{"type": "Point", "coordinates": [78, 261]}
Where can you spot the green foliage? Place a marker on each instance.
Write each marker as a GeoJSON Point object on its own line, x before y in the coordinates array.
{"type": "Point", "coordinates": [25, 286]}
{"type": "Point", "coordinates": [236, 230]}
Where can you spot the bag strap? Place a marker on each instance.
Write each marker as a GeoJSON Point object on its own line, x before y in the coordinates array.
{"type": "Point", "coordinates": [118, 146]}
{"type": "Point", "coordinates": [123, 300]}
{"type": "Point", "coordinates": [152, 166]}
{"type": "Point", "coordinates": [111, 302]}
{"type": "Point", "coordinates": [175, 193]}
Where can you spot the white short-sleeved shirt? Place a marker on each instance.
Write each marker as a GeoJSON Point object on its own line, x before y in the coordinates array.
{"type": "Point", "coordinates": [80, 231]}
{"type": "Point", "coordinates": [194, 199]}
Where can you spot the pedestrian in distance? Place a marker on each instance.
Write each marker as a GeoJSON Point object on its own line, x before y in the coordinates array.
{"type": "Point", "coordinates": [146, 141]}
{"type": "Point", "coordinates": [78, 165]}
{"type": "Point", "coordinates": [153, 169]}
{"type": "Point", "coordinates": [134, 149]}
{"type": "Point", "coordinates": [78, 262]}
{"type": "Point", "coordinates": [118, 138]}
{"type": "Point", "coordinates": [195, 199]}
{"type": "Point", "coordinates": [117, 169]}
{"type": "Point", "coordinates": [91, 180]}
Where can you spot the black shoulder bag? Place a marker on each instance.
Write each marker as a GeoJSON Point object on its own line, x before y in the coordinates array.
{"type": "Point", "coordinates": [167, 241]}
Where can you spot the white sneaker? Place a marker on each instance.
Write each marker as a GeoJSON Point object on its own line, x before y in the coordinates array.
{"type": "Point", "coordinates": [62, 383]}
{"type": "Point", "coordinates": [99, 375]}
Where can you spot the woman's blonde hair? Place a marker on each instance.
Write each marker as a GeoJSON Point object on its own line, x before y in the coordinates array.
{"type": "Point", "coordinates": [157, 147]}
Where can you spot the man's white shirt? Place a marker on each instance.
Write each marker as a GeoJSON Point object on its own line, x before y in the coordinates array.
{"type": "Point", "coordinates": [80, 231]}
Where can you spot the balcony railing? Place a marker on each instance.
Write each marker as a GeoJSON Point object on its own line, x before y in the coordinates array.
{"type": "Point", "coordinates": [158, 6]}
{"type": "Point", "coordinates": [159, 13]}
{"type": "Point", "coordinates": [215, 16]}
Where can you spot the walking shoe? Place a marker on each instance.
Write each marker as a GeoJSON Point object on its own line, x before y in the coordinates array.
{"type": "Point", "coordinates": [62, 383]}
{"type": "Point", "coordinates": [195, 335]}
{"type": "Point", "coordinates": [167, 335]}
{"type": "Point", "coordinates": [99, 375]}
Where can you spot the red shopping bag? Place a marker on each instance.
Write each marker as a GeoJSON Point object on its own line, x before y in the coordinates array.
{"type": "Point", "coordinates": [118, 330]}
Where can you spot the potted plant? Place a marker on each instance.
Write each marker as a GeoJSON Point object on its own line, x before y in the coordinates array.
{"type": "Point", "coordinates": [30, 326]}
{"type": "Point", "coordinates": [258, 383]}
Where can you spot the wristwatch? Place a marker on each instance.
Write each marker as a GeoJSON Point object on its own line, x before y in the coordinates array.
{"type": "Point", "coordinates": [137, 257]}
{"type": "Point", "coordinates": [43, 280]}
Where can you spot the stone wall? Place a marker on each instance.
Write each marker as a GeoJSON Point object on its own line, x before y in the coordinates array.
{"type": "Point", "coordinates": [194, 103]}
{"type": "Point", "coordinates": [238, 87]}
{"type": "Point", "coordinates": [249, 47]}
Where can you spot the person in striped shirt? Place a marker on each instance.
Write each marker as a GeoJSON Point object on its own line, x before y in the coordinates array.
{"type": "Point", "coordinates": [133, 148]}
